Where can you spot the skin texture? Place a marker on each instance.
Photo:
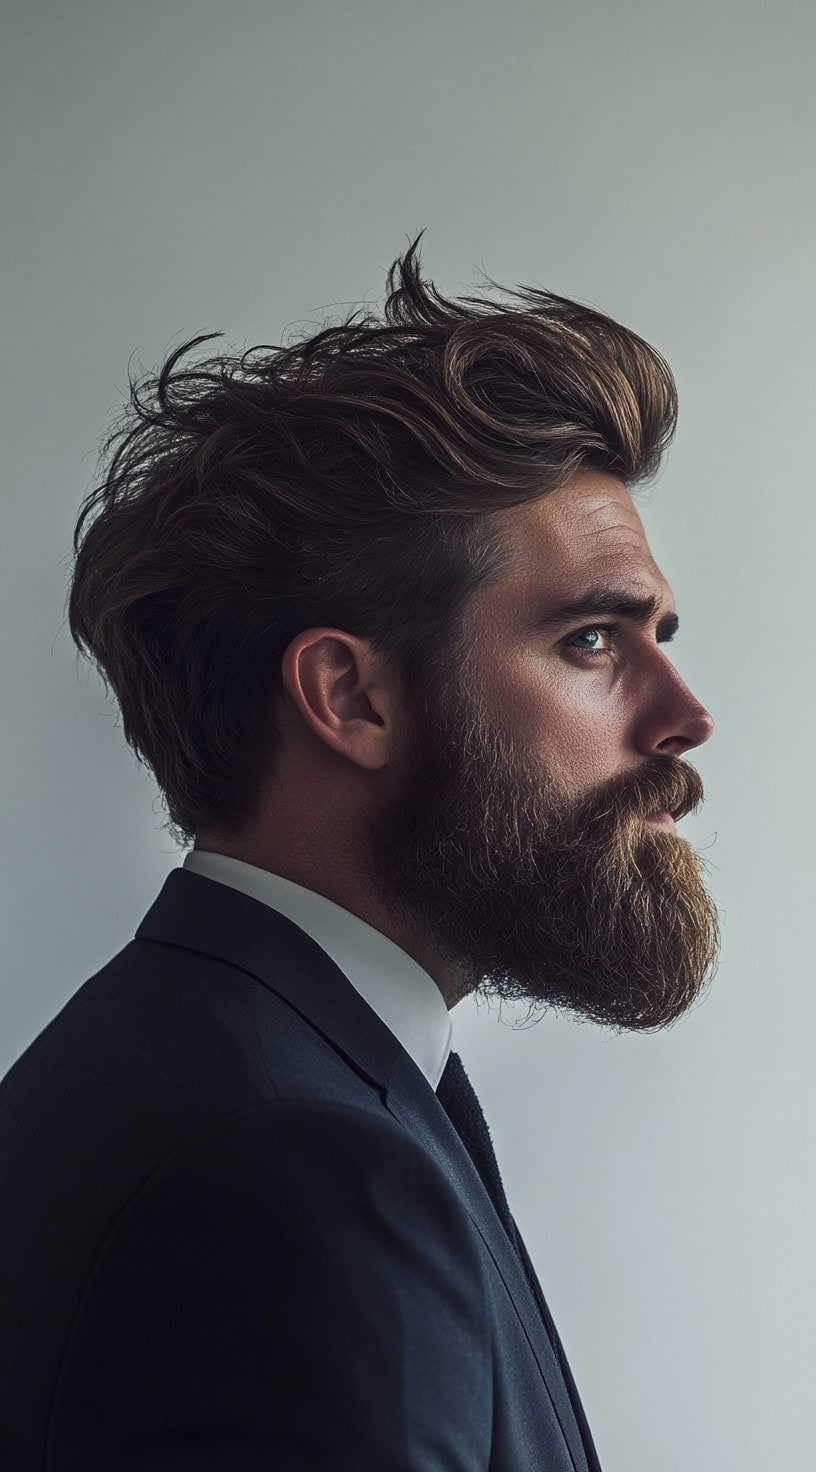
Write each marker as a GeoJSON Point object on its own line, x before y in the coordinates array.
{"type": "Point", "coordinates": [500, 834]}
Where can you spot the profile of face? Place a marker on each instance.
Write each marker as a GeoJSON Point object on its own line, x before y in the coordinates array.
{"type": "Point", "coordinates": [533, 836]}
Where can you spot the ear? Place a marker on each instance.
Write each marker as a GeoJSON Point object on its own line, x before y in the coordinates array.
{"type": "Point", "coordinates": [346, 694]}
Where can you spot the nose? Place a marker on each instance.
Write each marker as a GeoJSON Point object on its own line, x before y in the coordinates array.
{"type": "Point", "coordinates": [672, 720]}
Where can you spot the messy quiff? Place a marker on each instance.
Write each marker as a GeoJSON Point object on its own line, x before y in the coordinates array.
{"type": "Point", "coordinates": [347, 479]}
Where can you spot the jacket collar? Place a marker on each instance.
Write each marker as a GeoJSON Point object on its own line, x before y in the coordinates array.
{"type": "Point", "coordinates": [200, 914]}
{"type": "Point", "coordinates": [204, 915]}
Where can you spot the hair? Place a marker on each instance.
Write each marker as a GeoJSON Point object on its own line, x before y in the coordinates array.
{"type": "Point", "coordinates": [347, 479]}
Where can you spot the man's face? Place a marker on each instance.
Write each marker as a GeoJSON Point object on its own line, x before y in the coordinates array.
{"type": "Point", "coordinates": [522, 842]}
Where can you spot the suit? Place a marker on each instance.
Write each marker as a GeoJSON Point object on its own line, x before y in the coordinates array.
{"type": "Point", "coordinates": [240, 1232]}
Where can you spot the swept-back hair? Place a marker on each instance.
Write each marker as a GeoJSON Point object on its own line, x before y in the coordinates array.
{"type": "Point", "coordinates": [348, 479]}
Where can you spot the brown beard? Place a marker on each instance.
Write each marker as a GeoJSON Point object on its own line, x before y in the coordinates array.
{"type": "Point", "coordinates": [540, 896]}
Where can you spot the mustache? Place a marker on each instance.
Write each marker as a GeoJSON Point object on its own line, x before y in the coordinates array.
{"type": "Point", "coordinates": [664, 784]}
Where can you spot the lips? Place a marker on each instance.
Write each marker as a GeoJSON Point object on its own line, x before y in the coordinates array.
{"type": "Point", "coordinates": [660, 820]}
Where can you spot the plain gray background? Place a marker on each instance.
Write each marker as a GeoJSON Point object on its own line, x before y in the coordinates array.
{"type": "Point", "coordinates": [186, 167]}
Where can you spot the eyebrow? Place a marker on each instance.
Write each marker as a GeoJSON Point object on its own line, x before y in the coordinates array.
{"type": "Point", "coordinates": [601, 602]}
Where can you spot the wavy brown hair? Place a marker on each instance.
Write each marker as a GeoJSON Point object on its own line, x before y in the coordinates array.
{"type": "Point", "coordinates": [347, 479]}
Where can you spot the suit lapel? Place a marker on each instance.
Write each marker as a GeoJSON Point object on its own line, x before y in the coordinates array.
{"type": "Point", "coordinates": [203, 915]}
{"type": "Point", "coordinates": [421, 1112]}
{"type": "Point", "coordinates": [590, 1452]}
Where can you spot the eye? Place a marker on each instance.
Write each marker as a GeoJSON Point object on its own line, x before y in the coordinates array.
{"type": "Point", "coordinates": [594, 641]}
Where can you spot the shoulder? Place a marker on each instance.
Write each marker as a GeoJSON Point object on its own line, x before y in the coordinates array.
{"type": "Point", "coordinates": [291, 1150]}
{"type": "Point", "coordinates": [312, 1248]}
{"type": "Point", "coordinates": [297, 1197]}
{"type": "Point", "coordinates": [295, 1207]}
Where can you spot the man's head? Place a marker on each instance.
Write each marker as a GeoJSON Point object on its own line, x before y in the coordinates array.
{"type": "Point", "coordinates": [336, 592]}
{"type": "Point", "coordinates": [533, 835]}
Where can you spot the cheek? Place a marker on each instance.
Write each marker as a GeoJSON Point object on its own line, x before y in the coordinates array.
{"type": "Point", "coordinates": [571, 722]}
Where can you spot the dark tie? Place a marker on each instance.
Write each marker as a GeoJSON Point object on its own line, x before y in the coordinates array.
{"type": "Point", "coordinates": [458, 1099]}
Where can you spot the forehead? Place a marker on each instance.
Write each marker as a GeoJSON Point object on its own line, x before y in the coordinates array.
{"type": "Point", "coordinates": [585, 534]}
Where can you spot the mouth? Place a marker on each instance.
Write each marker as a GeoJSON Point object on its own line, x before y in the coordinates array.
{"type": "Point", "coordinates": [660, 820]}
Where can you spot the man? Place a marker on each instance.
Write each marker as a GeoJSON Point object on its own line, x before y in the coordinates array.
{"type": "Point", "coordinates": [382, 618]}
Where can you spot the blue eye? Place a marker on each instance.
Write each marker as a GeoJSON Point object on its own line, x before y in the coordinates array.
{"type": "Point", "coordinates": [591, 636]}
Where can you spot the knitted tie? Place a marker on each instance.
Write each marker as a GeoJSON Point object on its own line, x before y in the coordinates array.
{"type": "Point", "coordinates": [458, 1098]}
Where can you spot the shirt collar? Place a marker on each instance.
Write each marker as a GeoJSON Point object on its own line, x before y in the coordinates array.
{"type": "Point", "coordinates": [401, 992]}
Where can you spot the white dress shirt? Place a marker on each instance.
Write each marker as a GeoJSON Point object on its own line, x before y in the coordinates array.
{"type": "Point", "coordinates": [401, 992]}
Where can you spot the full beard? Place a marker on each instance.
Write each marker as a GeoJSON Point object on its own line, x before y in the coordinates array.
{"type": "Point", "coordinates": [540, 897]}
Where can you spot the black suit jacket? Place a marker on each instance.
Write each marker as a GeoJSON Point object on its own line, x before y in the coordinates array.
{"type": "Point", "coordinates": [239, 1231]}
